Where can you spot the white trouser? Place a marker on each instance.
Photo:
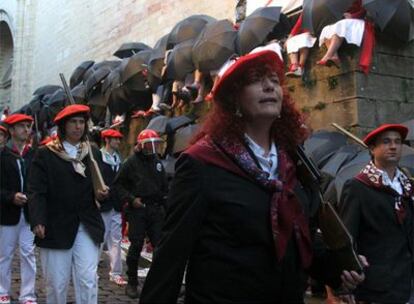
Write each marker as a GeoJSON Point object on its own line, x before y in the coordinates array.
{"type": "Point", "coordinates": [81, 260]}
{"type": "Point", "coordinates": [113, 237]}
{"type": "Point", "coordinates": [10, 237]}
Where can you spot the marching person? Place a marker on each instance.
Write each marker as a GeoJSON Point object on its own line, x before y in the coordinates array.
{"type": "Point", "coordinates": [15, 162]}
{"type": "Point", "coordinates": [64, 215]}
{"type": "Point", "coordinates": [110, 162]}
{"type": "Point", "coordinates": [377, 208]}
{"type": "Point", "coordinates": [142, 183]}
{"type": "Point", "coordinates": [4, 134]}
{"type": "Point", "coordinates": [238, 215]}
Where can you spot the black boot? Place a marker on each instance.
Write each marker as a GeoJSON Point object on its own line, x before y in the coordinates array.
{"type": "Point", "coordinates": [132, 291]}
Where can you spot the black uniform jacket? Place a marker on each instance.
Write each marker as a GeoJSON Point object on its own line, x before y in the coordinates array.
{"type": "Point", "coordinates": [61, 199]}
{"type": "Point", "coordinates": [10, 183]}
{"type": "Point", "coordinates": [371, 219]}
{"type": "Point", "coordinates": [109, 174]}
{"type": "Point", "coordinates": [218, 225]}
{"type": "Point", "coordinates": [142, 176]}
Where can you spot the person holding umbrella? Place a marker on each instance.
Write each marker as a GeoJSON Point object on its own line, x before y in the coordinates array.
{"type": "Point", "coordinates": [142, 183]}
{"type": "Point", "coordinates": [377, 208]}
{"type": "Point", "coordinates": [297, 46]}
{"type": "Point", "coordinates": [351, 29]}
{"type": "Point", "coordinates": [15, 164]}
{"type": "Point", "coordinates": [110, 162]}
{"type": "Point", "coordinates": [3, 136]}
{"type": "Point", "coordinates": [238, 215]}
{"type": "Point", "coordinates": [63, 213]}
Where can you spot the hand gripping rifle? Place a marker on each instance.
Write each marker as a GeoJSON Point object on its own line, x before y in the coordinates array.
{"type": "Point", "coordinates": [97, 179]}
{"type": "Point", "coordinates": [335, 235]}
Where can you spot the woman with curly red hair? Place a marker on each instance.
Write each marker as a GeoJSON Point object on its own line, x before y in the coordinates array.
{"type": "Point", "coordinates": [237, 216]}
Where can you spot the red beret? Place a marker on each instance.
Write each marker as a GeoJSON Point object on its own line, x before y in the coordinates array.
{"type": "Point", "coordinates": [15, 118]}
{"type": "Point", "coordinates": [70, 111]}
{"type": "Point", "coordinates": [3, 129]}
{"type": "Point", "coordinates": [387, 127]}
{"type": "Point", "coordinates": [111, 133]}
{"type": "Point", "coordinates": [235, 70]}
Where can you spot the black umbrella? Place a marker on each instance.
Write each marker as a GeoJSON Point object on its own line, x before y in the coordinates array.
{"type": "Point", "coordinates": [79, 93]}
{"type": "Point", "coordinates": [24, 110]}
{"type": "Point", "coordinates": [130, 48]}
{"type": "Point", "coordinates": [319, 13]}
{"type": "Point", "coordinates": [410, 125]}
{"type": "Point", "coordinates": [188, 28]}
{"type": "Point", "coordinates": [256, 27]}
{"type": "Point", "coordinates": [36, 104]}
{"type": "Point", "coordinates": [134, 69]}
{"type": "Point", "coordinates": [169, 165]}
{"type": "Point", "coordinates": [77, 74]}
{"type": "Point", "coordinates": [214, 46]}
{"type": "Point", "coordinates": [183, 136]}
{"type": "Point", "coordinates": [177, 122]}
{"type": "Point", "coordinates": [158, 123]}
{"type": "Point", "coordinates": [56, 102]}
{"type": "Point", "coordinates": [47, 89]}
{"type": "Point", "coordinates": [180, 61]}
{"type": "Point", "coordinates": [115, 93]}
{"type": "Point", "coordinates": [322, 144]}
{"type": "Point", "coordinates": [95, 80]}
{"type": "Point", "coordinates": [107, 64]}
{"type": "Point", "coordinates": [339, 159]}
{"type": "Point", "coordinates": [156, 61]}
{"type": "Point", "coordinates": [394, 17]}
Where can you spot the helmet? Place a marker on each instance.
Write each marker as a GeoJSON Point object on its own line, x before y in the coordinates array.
{"type": "Point", "coordinates": [147, 140]}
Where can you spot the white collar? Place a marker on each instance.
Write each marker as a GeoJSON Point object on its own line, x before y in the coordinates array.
{"type": "Point", "coordinates": [258, 150]}
{"type": "Point", "coordinates": [72, 150]}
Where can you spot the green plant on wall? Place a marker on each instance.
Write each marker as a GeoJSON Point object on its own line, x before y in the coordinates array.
{"type": "Point", "coordinates": [320, 106]}
{"type": "Point", "coordinates": [332, 82]}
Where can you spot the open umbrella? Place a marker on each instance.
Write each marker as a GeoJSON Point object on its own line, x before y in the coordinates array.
{"type": "Point", "coordinates": [77, 74]}
{"type": "Point", "coordinates": [410, 125]}
{"type": "Point", "coordinates": [46, 89]}
{"type": "Point", "coordinates": [79, 93]}
{"type": "Point", "coordinates": [319, 13]}
{"type": "Point", "coordinates": [180, 61]}
{"type": "Point", "coordinates": [183, 136]}
{"type": "Point", "coordinates": [214, 46]}
{"type": "Point", "coordinates": [339, 159]}
{"type": "Point", "coordinates": [256, 27]}
{"type": "Point", "coordinates": [321, 145]}
{"type": "Point", "coordinates": [133, 71]}
{"type": "Point", "coordinates": [394, 17]}
{"type": "Point", "coordinates": [56, 102]}
{"type": "Point", "coordinates": [156, 61]}
{"type": "Point", "coordinates": [188, 28]}
{"type": "Point", "coordinates": [24, 110]}
{"type": "Point", "coordinates": [130, 48]}
{"type": "Point", "coordinates": [36, 104]}
{"type": "Point", "coordinates": [158, 123]}
{"type": "Point", "coordinates": [177, 122]}
{"type": "Point", "coordinates": [95, 80]}
{"type": "Point", "coordinates": [108, 64]}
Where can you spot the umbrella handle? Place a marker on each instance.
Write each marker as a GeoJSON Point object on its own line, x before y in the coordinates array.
{"type": "Point", "coordinates": [350, 135]}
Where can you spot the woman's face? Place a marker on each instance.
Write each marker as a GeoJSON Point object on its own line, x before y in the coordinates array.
{"type": "Point", "coordinates": [261, 98]}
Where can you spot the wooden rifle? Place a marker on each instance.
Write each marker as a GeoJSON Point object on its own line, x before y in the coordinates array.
{"type": "Point", "coordinates": [97, 179]}
{"type": "Point", "coordinates": [335, 235]}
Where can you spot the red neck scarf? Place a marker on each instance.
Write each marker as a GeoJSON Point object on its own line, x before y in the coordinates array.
{"type": "Point", "coordinates": [372, 177]}
{"type": "Point", "coordinates": [286, 213]}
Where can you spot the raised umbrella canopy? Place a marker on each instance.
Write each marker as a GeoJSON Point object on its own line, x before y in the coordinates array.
{"type": "Point", "coordinates": [80, 70]}
{"type": "Point", "coordinates": [46, 89]}
{"type": "Point", "coordinates": [215, 45]}
{"type": "Point", "coordinates": [79, 93]}
{"type": "Point", "coordinates": [394, 17]}
{"type": "Point", "coordinates": [256, 27]}
{"type": "Point", "coordinates": [109, 64]}
{"type": "Point", "coordinates": [158, 124]}
{"type": "Point", "coordinates": [319, 13]}
{"type": "Point", "coordinates": [156, 61]}
{"type": "Point", "coordinates": [321, 145]}
{"type": "Point", "coordinates": [183, 136]}
{"type": "Point", "coordinates": [180, 61]}
{"type": "Point", "coordinates": [36, 104]}
{"type": "Point", "coordinates": [188, 28]}
{"type": "Point", "coordinates": [133, 71]}
{"type": "Point", "coordinates": [130, 48]}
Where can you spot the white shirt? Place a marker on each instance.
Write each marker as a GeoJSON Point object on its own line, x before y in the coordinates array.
{"type": "Point", "coordinates": [268, 162]}
{"type": "Point", "coordinates": [395, 183]}
{"type": "Point", "coordinates": [71, 149]}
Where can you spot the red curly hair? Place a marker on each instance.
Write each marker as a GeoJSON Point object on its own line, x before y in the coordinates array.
{"type": "Point", "coordinates": [287, 131]}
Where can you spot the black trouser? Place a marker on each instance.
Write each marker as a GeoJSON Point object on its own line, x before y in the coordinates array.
{"type": "Point", "coordinates": [142, 222]}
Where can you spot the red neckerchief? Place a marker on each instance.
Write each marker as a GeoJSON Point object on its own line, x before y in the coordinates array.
{"type": "Point", "coordinates": [16, 152]}
{"type": "Point", "coordinates": [372, 177]}
{"type": "Point", "coordinates": [286, 213]}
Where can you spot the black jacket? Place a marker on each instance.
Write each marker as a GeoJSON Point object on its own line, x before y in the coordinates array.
{"type": "Point", "coordinates": [142, 176]}
{"type": "Point", "coordinates": [218, 225]}
{"type": "Point", "coordinates": [109, 173]}
{"type": "Point", "coordinates": [61, 199]}
{"type": "Point", "coordinates": [371, 219]}
{"type": "Point", "coordinates": [10, 183]}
